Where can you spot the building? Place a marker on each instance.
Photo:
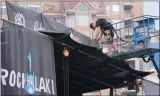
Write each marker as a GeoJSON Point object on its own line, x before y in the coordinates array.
{"type": "Point", "coordinates": [79, 15]}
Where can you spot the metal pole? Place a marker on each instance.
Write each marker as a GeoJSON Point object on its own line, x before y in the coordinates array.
{"type": "Point", "coordinates": [155, 66]}
{"type": "Point", "coordinates": [111, 91]}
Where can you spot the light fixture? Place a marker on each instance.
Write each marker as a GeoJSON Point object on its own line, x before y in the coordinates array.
{"type": "Point", "coordinates": [65, 52]}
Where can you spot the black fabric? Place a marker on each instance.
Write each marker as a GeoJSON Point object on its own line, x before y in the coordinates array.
{"type": "Point", "coordinates": [49, 25]}
{"type": "Point", "coordinates": [93, 64]}
{"type": "Point", "coordinates": [28, 18]}
{"type": "Point", "coordinates": [17, 45]}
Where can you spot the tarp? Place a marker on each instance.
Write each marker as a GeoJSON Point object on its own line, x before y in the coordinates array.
{"type": "Point", "coordinates": [90, 69]}
{"type": "Point", "coordinates": [28, 65]}
{"type": "Point", "coordinates": [39, 22]}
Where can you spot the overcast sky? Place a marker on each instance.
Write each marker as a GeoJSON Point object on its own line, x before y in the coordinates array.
{"type": "Point", "coordinates": [152, 8]}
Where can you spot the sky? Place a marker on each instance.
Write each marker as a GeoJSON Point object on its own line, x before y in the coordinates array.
{"type": "Point", "coordinates": [152, 8]}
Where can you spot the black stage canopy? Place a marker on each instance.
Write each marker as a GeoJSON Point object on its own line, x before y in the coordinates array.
{"type": "Point", "coordinates": [90, 69]}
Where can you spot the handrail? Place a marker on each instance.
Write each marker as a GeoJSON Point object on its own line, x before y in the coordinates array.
{"type": "Point", "coordinates": [156, 17]}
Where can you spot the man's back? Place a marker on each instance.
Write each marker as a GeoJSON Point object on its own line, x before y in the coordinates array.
{"type": "Point", "coordinates": [104, 24]}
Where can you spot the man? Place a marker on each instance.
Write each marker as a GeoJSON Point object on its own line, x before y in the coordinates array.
{"type": "Point", "coordinates": [103, 30]}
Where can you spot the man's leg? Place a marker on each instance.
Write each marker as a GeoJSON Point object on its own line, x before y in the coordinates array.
{"type": "Point", "coordinates": [111, 46]}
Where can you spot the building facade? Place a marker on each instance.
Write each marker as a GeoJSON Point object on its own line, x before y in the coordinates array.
{"type": "Point", "coordinates": [79, 15]}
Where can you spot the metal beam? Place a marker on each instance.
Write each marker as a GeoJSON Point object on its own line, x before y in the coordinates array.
{"type": "Point", "coordinates": [155, 66]}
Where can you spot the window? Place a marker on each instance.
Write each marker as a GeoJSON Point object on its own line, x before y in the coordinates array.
{"type": "Point", "coordinates": [50, 7]}
{"type": "Point", "coordinates": [22, 5]}
{"type": "Point", "coordinates": [97, 7]}
{"type": "Point", "coordinates": [3, 9]}
{"type": "Point", "coordinates": [127, 13]}
{"type": "Point", "coordinates": [115, 8]}
{"type": "Point", "coordinates": [82, 7]}
{"type": "Point", "coordinates": [35, 8]}
{"type": "Point", "coordinates": [108, 10]}
{"type": "Point", "coordinates": [82, 20]}
{"type": "Point", "coordinates": [71, 20]}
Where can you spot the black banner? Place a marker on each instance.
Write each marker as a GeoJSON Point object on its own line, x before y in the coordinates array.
{"type": "Point", "coordinates": [39, 22]}
{"type": "Point", "coordinates": [28, 18]}
{"type": "Point", "coordinates": [28, 65]}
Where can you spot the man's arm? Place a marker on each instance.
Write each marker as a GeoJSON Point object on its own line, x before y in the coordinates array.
{"type": "Point", "coordinates": [97, 31]}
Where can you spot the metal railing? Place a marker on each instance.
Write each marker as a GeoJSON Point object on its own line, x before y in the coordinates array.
{"type": "Point", "coordinates": [127, 32]}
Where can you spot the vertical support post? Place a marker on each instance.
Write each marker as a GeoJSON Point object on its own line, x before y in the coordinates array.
{"type": "Point", "coordinates": [156, 67]}
{"type": "Point", "coordinates": [117, 40]}
{"type": "Point", "coordinates": [148, 27]}
{"type": "Point", "coordinates": [111, 91]}
{"type": "Point", "coordinates": [120, 40]}
{"type": "Point", "coordinates": [134, 31]}
{"type": "Point", "coordinates": [101, 40]}
{"type": "Point", "coordinates": [154, 25]}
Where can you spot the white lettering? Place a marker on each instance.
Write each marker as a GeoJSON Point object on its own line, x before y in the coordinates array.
{"type": "Point", "coordinates": [35, 78]}
{"type": "Point", "coordinates": [37, 27]}
{"type": "Point", "coordinates": [23, 80]}
{"type": "Point", "coordinates": [42, 85]}
{"type": "Point", "coordinates": [75, 38]}
{"type": "Point", "coordinates": [53, 87]}
{"type": "Point", "coordinates": [12, 79]}
{"type": "Point", "coordinates": [18, 81]}
{"type": "Point", "coordinates": [19, 19]}
{"type": "Point", "coordinates": [47, 86]}
{"type": "Point", "coordinates": [3, 78]}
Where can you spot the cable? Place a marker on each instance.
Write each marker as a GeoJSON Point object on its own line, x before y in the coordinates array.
{"type": "Point", "coordinates": [121, 38]}
{"type": "Point", "coordinates": [67, 76]}
{"type": "Point", "coordinates": [149, 59]}
{"type": "Point", "coordinates": [64, 76]}
{"type": "Point", "coordinates": [66, 71]}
